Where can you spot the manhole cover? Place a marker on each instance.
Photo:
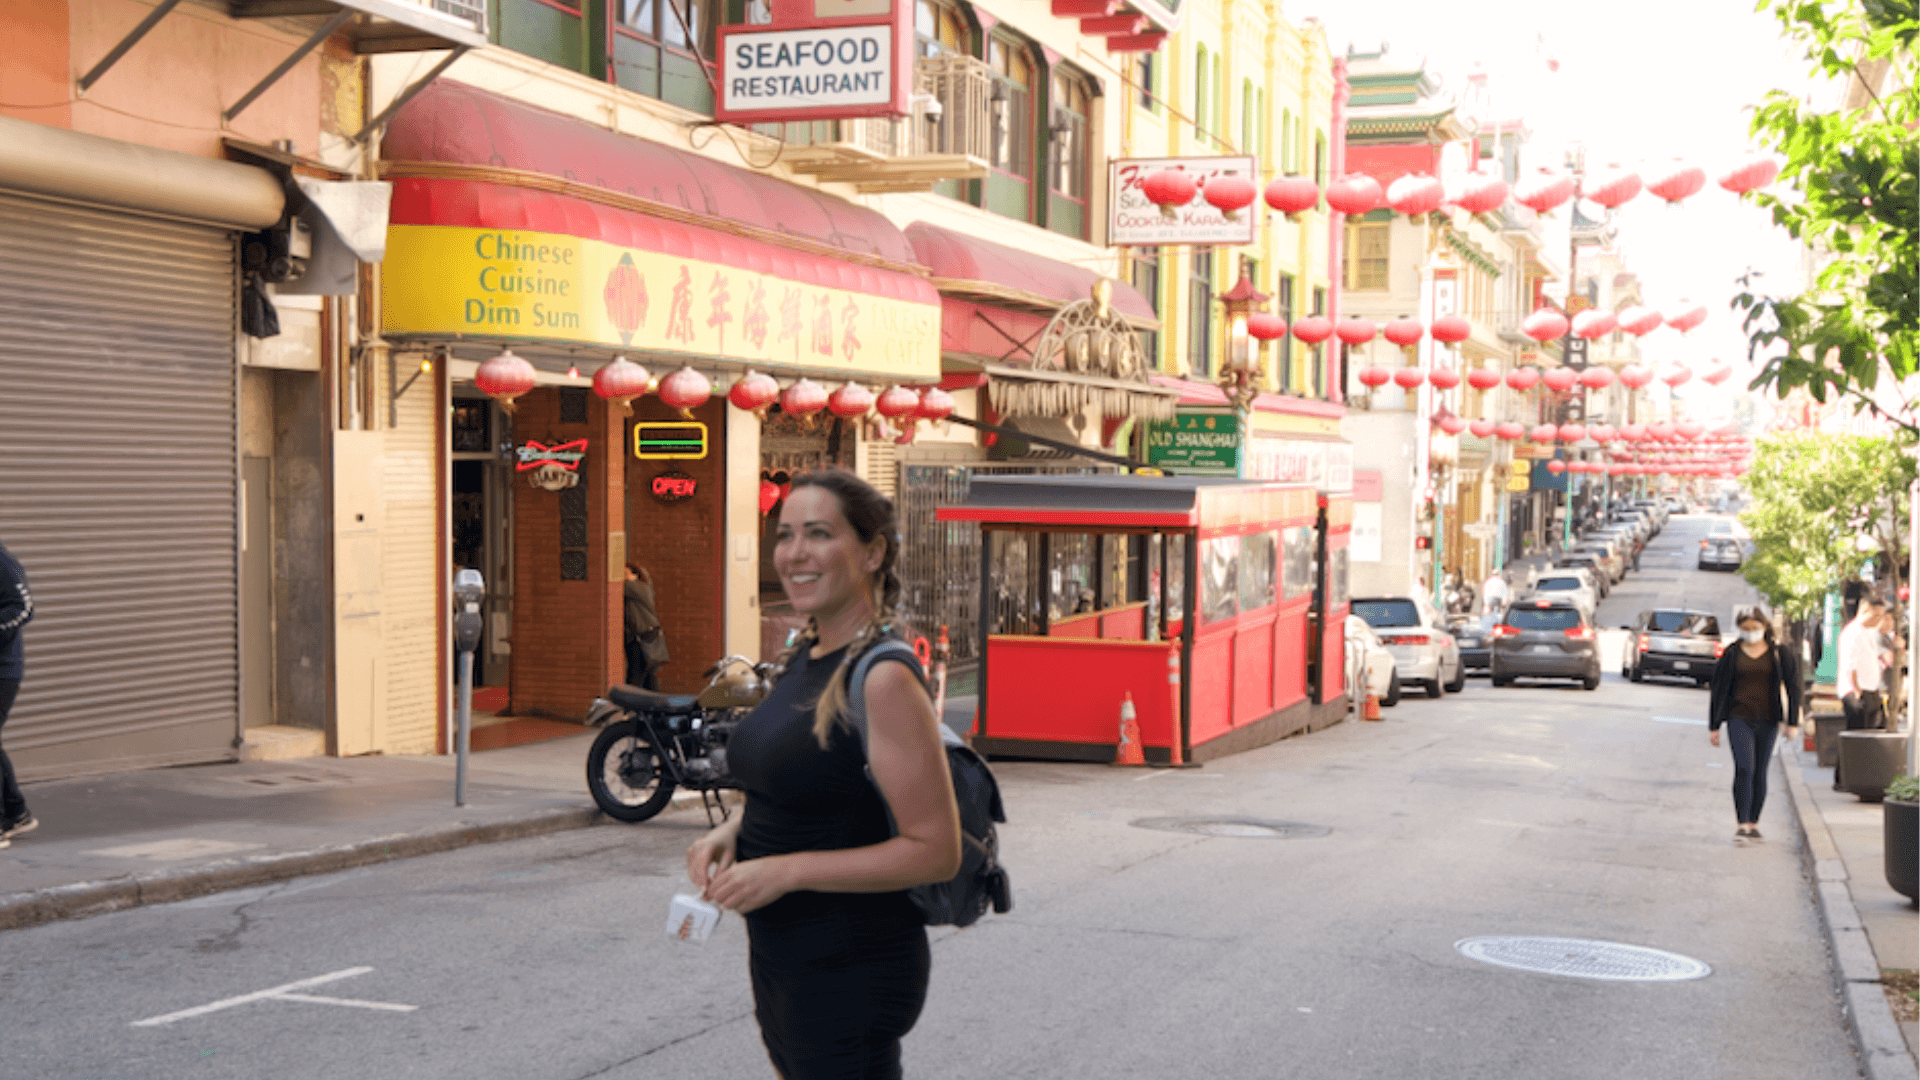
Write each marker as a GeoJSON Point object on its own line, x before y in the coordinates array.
{"type": "Point", "coordinates": [1256, 828]}
{"type": "Point", "coordinates": [1583, 959]}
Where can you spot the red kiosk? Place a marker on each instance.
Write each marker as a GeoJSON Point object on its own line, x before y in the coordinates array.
{"type": "Point", "coordinates": [1206, 600]}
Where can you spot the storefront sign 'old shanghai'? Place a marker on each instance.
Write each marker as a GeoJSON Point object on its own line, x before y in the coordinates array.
{"type": "Point", "coordinates": [510, 284]}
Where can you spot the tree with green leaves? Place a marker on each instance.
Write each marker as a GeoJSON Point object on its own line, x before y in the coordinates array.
{"type": "Point", "coordinates": [1850, 191]}
{"type": "Point", "coordinates": [1815, 495]}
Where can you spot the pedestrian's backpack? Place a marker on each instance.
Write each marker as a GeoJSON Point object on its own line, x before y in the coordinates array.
{"type": "Point", "coordinates": [982, 881]}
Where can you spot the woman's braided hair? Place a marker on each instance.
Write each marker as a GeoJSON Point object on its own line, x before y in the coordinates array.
{"type": "Point", "coordinates": [871, 515]}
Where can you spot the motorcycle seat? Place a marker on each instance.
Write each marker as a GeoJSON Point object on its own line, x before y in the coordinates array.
{"type": "Point", "coordinates": [638, 700]}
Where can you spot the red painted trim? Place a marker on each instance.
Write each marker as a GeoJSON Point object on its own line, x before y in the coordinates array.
{"type": "Point", "coordinates": [1022, 516]}
{"type": "Point", "coordinates": [1193, 393]}
{"type": "Point", "coordinates": [962, 380]}
{"type": "Point", "coordinates": [1126, 43]}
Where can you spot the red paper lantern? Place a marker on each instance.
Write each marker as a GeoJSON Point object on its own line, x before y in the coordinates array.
{"type": "Point", "coordinates": [1481, 428]}
{"type": "Point", "coordinates": [1633, 432]}
{"type": "Point", "coordinates": [1355, 193]}
{"type": "Point", "coordinates": [1689, 429]}
{"type": "Point", "coordinates": [1678, 375]}
{"type": "Point", "coordinates": [1451, 329]}
{"type": "Point", "coordinates": [1375, 376]}
{"type": "Point", "coordinates": [1750, 175]}
{"type": "Point", "coordinates": [1444, 378]}
{"type": "Point", "coordinates": [1543, 191]}
{"type": "Point", "coordinates": [1633, 376]}
{"type": "Point", "coordinates": [1293, 195]}
{"type": "Point", "coordinates": [1355, 331]}
{"type": "Point", "coordinates": [1728, 429]}
{"type": "Point", "coordinates": [1543, 433]}
{"type": "Point", "coordinates": [1687, 318]}
{"type": "Point", "coordinates": [504, 378]}
{"type": "Point", "coordinates": [1561, 379]}
{"type": "Point", "coordinates": [769, 496]}
{"type": "Point", "coordinates": [1544, 325]}
{"type": "Point", "coordinates": [1593, 323]}
{"type": "Point", "coordinates": [1572, 432]}
{"type": "Point", "coordinates": [621, 380]}
{"type": "Point", "coordinates": [1479, 193]}
{"type": "Point", "coordinates": [1639, 321]}
{"type": "Point", "coordinates": [803, 398]}
{"type": "Point", "coordinates": [1313, 329]}
{"type": "Point", "coordinates": [1415, 194]}
{"type": "Point", "coordinates": [754, 391]}
{"type": "Point", "coordinates": [935, 404]}
{"type": "Point", "coordinates": [1614, 187]}
{"type": "Point", "coordinates": [1404, 331]}
{"type": "Point", "coordinates": [1450, 423]}
{"type": "Point", "coordinates": [1596, 378]}
{"type": "Point", "coordinates": [1169, 189]}
{"type": "Point", "coordinates": [1408, 377]}
{"type": "Point", "coordinates": [1483, 378]}
{"type": "Point", "coordinates": [686, 390]}
{"type": "Point", "coordinates": [1522, 379]}
{"type": "Point", "coordinates": [896, 402]}
{"type": "Point", "coordinates": [1718, 375]}
{"type": "Point", "coordinates": [1509, 430]}
{"type": "Point", "coordinates": [850, 400]}
{"type": "Point", "coordinates": [1265, 326]}
{"type": "Point", "coordinates": [1677, 181]}
{"type": "Point", "coordinates": [1602, 433]}
{"type": "Point", "coordinates": [1556, 466]}
{"type": "Point", "coordinates": [1661, 431]}
{"type": "Point", "coordinates": [1230, 194]}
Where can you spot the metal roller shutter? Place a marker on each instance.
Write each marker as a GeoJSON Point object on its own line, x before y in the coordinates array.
{"type": "Point", "coordinates": [117, 485]}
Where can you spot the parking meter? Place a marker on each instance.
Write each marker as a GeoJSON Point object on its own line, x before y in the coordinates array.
{"type": "Point", "coordinates": [469, 590]}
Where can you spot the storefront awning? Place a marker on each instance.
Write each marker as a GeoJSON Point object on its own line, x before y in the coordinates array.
{"type": "Point", "coordinates": [974, 269]}
{"type": "Point", "coordinates": [514, 224]}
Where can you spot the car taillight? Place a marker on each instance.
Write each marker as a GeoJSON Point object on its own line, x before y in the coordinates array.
{"type": "Point", "coordinates": [1405, 639]}
{"type": "Point", "coordinates": [1581, 633]}
{"type": "Point", "coordinates": [1503, 630]}
{"type": "Point", "coordinates": [1643, 642]}
{"type": "Point", "coordinates": [1703, 545]}
{"type": "Point", "coordinates": [1718, 648]}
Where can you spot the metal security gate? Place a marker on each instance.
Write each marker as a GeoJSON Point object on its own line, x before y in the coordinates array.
{"type": "Point", "coordinates": [118, 485]}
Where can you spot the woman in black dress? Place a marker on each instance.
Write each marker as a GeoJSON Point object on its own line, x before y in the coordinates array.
{"type": "Point", "coordinates": [838, 952]}
{"type": "Point", "coordinates": [1756, 686]}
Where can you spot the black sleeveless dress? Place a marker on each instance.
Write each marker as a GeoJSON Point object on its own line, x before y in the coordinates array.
{"type": "Point", "coordinates": [838, 978]}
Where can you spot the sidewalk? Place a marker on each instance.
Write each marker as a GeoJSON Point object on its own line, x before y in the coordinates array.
{"type": "Point", "coordinates": [1869, 926]}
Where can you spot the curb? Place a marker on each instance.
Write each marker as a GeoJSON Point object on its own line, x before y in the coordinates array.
{"type": "Point", "coordinates": [1856, 972]}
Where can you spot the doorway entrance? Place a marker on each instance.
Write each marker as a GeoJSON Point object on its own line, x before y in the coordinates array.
{"type": "Point", "coordinates": [480, 508]}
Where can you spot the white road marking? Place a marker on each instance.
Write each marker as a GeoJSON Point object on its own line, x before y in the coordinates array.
{"type": "Point", "coordinates": [281, 993]}
{"type": "Point", "coordinates": [173, 850]}
{"type": "Point", "coordinates": [1693, 720]}
{"type": "Point", "coordinates": [1152, 774]}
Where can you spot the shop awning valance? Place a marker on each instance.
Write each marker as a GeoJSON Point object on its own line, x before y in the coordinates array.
{"type": "Point", "coordinates": [981, 270]}
{"type": "Point", "coordinates": [1019, 391]}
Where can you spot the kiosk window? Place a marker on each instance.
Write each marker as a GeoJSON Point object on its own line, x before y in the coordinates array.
{"type": "Point", "coordinates": [1219, 579]}
{"type": "Point", "coordinates": [1297, 562]}
{"type": "Point", "coordinates": [1256, 570]}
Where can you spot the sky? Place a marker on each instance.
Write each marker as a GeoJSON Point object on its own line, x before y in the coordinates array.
{"type": "Point", "coordinates": [1639, 83]}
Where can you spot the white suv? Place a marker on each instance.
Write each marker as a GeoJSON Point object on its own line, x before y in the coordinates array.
{"type": "Point", "coordinates": [1424, 650]}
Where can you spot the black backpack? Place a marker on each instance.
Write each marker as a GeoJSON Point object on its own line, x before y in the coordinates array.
{"type": "Point", "coordinates": [982, 881]}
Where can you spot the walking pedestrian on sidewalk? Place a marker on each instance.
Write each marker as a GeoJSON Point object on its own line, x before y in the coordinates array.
{"type": "Point", "coordinates": [1860, 671]}
{"type": "Point", "coordinates": [16, 610]}
{"type": "Point", "coordinates": [646, 640]}
{"type": "Point", "coordinates": [1755, 687]}
{"type": "Point", "coordinates": [837, 950]}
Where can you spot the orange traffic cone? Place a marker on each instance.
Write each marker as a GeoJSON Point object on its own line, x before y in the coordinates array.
{"type": "Point", "coordinates": [1373, 707]}
{"type": "Point", "coordinates": [1129, 751]}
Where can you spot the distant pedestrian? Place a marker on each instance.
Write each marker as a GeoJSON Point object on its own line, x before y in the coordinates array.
{"type": "Point", "coordinates": [1496, 593]}
{"type": "Point", "coordinates": [1755, 688]}
{"type": "Point", "coordinates": [837, 949]}
{"type": "Point", "coordinates": [1860, 671]}
{"type": "Point", "coordinates": [646, 639]}
{"type": "Point", "coordinates": [16, 610]}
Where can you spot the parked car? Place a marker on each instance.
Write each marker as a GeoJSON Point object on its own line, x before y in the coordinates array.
{"type": "Point", "coordinates": [1546, 639]}
{"type": "Point", "coordinates": [1676, 505]}
{"type": "Point", "coordinates": [1675, 643]}
{"type": "Point", "coordinates": [1474, 634]}
{"type": "Point", "coordinates": [1720, 552]}
{"type": "Point", "coordinates": [1574, 585]}
{"type": "Point", "coordinates": [1412, 629]}
{"type": "Point", "coordinates": [1612, 555]}
{"type": "Point", "coordinates": [1382, 681]}
{"type": "Point", "coordinates": [1591, 563]}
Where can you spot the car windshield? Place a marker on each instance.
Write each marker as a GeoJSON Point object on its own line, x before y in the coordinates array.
{"type": "Point", "coordinates": [1684, 622]}
{"type": "Point", "coordinates": [1387, 612]}
{"type": "Point", "coordinates": [1555, 584]}
{"type": "Point", "coordinates": [1538, 618]}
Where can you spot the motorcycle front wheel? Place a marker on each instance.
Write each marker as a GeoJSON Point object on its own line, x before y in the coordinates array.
{"type": "Point", "coordinates": [625, 774]}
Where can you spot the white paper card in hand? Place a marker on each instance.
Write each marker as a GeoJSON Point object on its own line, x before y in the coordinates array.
{"type": "Point", "coordinates": [691, 918]}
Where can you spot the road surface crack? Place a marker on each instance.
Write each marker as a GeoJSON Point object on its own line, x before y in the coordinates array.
{"type": "Point", "coordinates": [649, 1052]}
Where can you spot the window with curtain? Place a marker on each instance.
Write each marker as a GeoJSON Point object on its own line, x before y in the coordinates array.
{"type": "Point", "coordinates": [1367, 254]}
{"type": "Point", "coordinates": [1146, 73]}
{"type": "Point", "coordinates": [939, 29]}
{"type": "Point", "coordinates": [1320, 158]}
{"type": "Point", "coordinates": [1202, 82]}
{"type": "Point", "coordinates": [1246, 117]}
{"type": "Point", "coordinates": [657, 49]}
{"type": "Point", "coordinates": [1070, 180]}
{"type": "Point", "coordinates": [1200, 313]}
{"type": "Point", "coordinates": [1009, 191]}
{"type": "Point", "coordinates": [1286, 142]}
{"type": "Point", "coordinates": [1143, 272]}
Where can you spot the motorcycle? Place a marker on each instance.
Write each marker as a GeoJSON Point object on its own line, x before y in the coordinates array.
{"type": "Point", "coordinates": [653, 744]}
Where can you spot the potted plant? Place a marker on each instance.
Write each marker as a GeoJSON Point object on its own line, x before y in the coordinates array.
{"type": "Point", "coordinates": [1869, 760]}
{"type": "Point", "coordinates": [1901, 832]}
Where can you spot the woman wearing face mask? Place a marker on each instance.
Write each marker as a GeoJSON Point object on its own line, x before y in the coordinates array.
{"type": "Point", "coordinates": [1756, 686]}
{"type": "Point", "coordinates": [837, 950]}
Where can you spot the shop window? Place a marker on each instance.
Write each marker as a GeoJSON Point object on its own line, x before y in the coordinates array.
{"type": "Point", "coordinates": [472, 426]}
{"type": "Point", "coordinates": [573, 529]}
{"type": "Point", "coordinates": [1143, 269]}
{"type": "Point", "coordinates": [1219, 579]}
{"type": "Point", "coordinates": [1071, 566]}
{"type": "Point", "coordinates": [1336, 578]}
{"type": "Point", "coordinates": [1367, 255]}
{"type": "Point", "coordinates": [1009, 184]}
{"type": "Point", "coordinates": [1176, 552]}
{"type": "Point", "coordinates": [657, 47]}
{"type": "Point", "coordinates": [1200, 314]}
{"type": "Point", "coordinates": [1070, 180]}
{"type": "Point", "coordinates": [1257, 555]}
{"type": "Point", "coordinates": [550, 30]}
{"type": "Point", "coordinates": [1296, 569]}
{"type": "Point", "coordinates": [573, 404]}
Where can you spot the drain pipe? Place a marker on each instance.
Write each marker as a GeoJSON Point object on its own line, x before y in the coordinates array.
{"type": "Point", "coordinates": [1336, 388]}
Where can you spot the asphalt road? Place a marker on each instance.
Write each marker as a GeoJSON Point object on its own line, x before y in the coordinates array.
{"type": "Point", "coordinates": [1133, 952]}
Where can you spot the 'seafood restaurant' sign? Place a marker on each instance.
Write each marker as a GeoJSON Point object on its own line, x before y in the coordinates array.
{"type": "Point", "coordinates": [818, 60]}
{"type": "Point", "coordinates": [1136, 220]}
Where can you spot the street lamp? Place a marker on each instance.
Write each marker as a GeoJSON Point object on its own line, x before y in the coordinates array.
{"type": "Point", "coordinates": [1241, 375]}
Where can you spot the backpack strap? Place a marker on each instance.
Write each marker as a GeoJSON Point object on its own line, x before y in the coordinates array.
{"type": "Point", "coordinates": [889, 648]}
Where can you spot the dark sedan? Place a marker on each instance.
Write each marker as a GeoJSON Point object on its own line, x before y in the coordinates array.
{"type": "Point", "coordinates": [1672, 643]}
{"type": "Point", "coordinates": [1546, 639]}
{"type": "Point", "coordinates": [1475, 635]}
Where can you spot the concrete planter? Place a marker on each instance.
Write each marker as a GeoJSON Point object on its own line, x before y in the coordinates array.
{"type": "Point", "coordinates": [1826, 737]}
{"type": "Point", "coordinates": [1869, 760]}
{"type": "Point", "coordinates": [1901, 831]}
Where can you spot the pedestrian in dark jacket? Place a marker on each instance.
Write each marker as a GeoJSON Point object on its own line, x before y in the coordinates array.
{"type": "Point", "coordinates": [16, 610]}
{"type": "Point", "coordinates": [1756, 688]}
{"type": "Point", "coordinates": [646, 640]}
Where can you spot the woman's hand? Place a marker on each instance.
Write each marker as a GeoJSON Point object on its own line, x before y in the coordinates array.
{"type": "Point", "coordinates": [1713, 737]}
{"type": "Point", "coordinates": [712, 854]}
{"type": "Point", "coordinates": [751, 885]}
